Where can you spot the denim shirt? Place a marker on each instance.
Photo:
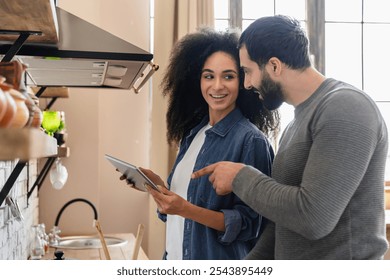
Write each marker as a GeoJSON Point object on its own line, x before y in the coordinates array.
{"type": "Point", "coordinates": [235, 139]}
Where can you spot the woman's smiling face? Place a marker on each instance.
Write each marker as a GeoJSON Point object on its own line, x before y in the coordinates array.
{"type": "Point", "coordinates": [219, 83]}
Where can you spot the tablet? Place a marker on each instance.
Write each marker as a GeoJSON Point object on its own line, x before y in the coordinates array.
{"type": "Point", "coordinates": [132, 173]}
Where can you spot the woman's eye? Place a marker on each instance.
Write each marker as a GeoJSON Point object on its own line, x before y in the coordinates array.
{"type": "Point", "coordinates": [208, 76]}
{"type": "Point", "coordinates": [230, 77]}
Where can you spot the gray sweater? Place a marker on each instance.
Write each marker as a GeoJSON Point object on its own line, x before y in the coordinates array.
{"type": "Point", "coordinates": [325, 199]}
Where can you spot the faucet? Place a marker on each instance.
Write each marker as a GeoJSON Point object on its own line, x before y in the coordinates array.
{"type": "Point", "coordinates": [53, 236]}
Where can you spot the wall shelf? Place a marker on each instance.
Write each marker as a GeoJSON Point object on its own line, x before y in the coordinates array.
{"type": "Point", "coordinates": [63, 152]}
{"type": "Point", "coordinates": [52, 92]}
{"type": "Point", "coordinates": [25, 144]}
{"type": "Point", "coordinates": [29, 15]}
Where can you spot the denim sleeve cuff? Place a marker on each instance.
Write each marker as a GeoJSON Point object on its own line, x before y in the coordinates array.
{"type": "Point", "coordinates": [233, 224]}
{"type": "Point", "coordinates": [163, 217]}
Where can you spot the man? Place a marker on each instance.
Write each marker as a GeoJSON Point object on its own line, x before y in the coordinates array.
{"type": "Point", "coordinates": [325, 199]}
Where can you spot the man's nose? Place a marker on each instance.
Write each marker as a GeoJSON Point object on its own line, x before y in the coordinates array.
{"type": "Point", "coordinates": [247, 83]}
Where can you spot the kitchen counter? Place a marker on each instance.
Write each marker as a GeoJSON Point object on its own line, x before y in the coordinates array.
{"type": "Point", "coordinates": [116, 252]}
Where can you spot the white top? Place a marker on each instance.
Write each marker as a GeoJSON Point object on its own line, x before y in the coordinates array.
{"type": "Point", "coordinates": [180, 181]}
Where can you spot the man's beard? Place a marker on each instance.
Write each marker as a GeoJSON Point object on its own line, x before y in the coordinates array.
{"type": "Point", "coordinates": [271, 93]}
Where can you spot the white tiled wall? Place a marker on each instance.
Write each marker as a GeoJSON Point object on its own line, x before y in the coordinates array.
{"type": "Point", "coordinates": [15, 235]}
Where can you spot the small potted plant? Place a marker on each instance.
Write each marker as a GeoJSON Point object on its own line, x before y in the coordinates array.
{"type": "Point", "coordinates": [54, 125]}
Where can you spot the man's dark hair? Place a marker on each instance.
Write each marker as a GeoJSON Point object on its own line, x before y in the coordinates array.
{"type": "Point", "coordinates": [277, 36]}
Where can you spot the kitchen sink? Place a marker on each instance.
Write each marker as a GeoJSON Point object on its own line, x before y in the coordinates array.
{"type": "Point", "coordinates": [88, 242]}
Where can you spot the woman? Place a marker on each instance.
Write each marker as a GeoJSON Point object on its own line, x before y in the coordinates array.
{"type": "Point", "coordinates": [213, 118]}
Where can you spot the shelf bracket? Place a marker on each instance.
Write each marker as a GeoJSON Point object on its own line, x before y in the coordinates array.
{"type": "Point", "coordinates": [11, 180]}
{"type": "Point", "coordinates": [42, 175]}
{"type": "Point", "coordinates": [48, 106]}
{"type": "Point", "coordinates": [45, 170]}
{"type": "Point", "coordinates": [40, 92]}
{"type": "Point", "coordinates": [23, 36]}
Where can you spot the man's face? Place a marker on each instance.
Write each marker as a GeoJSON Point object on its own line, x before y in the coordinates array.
{"type": "Point", "coordinates": [270, 92]}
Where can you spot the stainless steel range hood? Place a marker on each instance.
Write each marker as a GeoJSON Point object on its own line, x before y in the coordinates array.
{"type": "Point", "coordinates": [84, 56]}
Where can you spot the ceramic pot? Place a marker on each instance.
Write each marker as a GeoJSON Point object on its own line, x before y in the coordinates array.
{"type": "Point", "coordinates": [37, 118]}
{"type": "Point", "coordinates": [35, 111]}
{"type": "Point", "coordinates": [9, 106]}
{"type": "Point", "coordinates": [13, 72]}
{"type": "Point", "coordinates": [3, 104]}
{"type": "Point", "coordinates": [22, 113]}
{"type": "Point", "coordinates": [30, 106]}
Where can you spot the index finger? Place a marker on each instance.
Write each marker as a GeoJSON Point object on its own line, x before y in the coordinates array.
{"type": "Point", "coordinates": [204, 171]}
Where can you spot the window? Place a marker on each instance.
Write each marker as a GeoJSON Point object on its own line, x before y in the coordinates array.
{"type": "Point", "coordinates": [358, 39]}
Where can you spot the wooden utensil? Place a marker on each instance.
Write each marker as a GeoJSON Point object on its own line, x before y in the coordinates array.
{"type": "Point", "coordinates": [138, 240]}
{"type": "Point", "coordinates": [102, 240]}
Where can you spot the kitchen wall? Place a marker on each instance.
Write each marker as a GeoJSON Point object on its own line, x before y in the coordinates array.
{"type": "Point", "coordinates": [101, 121]}
{"type": "Point", "coordinates": [15, 235]}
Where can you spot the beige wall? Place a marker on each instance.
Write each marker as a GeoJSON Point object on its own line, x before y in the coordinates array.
{"type": "Point", "coordinates": [100, 121]}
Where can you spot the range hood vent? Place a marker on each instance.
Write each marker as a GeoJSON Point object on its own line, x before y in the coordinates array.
{"type": "Point", "coordinates": [84, 56]}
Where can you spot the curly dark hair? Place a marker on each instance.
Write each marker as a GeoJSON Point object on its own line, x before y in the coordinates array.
{"type": "Point", "coordinates": [181, 83]}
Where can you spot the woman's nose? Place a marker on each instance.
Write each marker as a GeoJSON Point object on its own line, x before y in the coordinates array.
{"type": "Point", "coordinates": [218, 83]}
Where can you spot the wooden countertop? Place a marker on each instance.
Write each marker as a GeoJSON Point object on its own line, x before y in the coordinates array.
{"type": "Point", "coordinates": [116, 252]}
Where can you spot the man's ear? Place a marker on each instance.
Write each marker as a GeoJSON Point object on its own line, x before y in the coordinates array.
{"type": "Point", "coordinates": [275, 66]}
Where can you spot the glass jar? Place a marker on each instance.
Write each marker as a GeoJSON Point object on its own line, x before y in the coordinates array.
{"type": "Point", "coordinates": [36, 247]}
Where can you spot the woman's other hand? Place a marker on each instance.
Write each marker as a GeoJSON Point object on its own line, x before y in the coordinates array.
{"type": "Point", "coordinates": [153, 176]}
